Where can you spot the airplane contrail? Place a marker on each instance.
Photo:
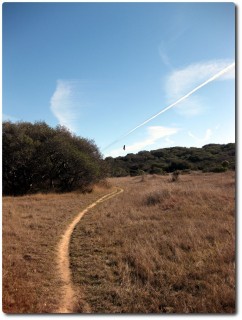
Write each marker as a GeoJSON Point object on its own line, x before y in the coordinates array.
{"type": "Point", "coordinates": [214, 77]}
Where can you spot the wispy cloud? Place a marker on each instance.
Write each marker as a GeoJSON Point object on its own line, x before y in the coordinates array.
{"type": "Point", "coordinates": [181, 81]}
{"type": "Point", "coordinates": [154, 134]}
{"type": "Point", "coordinates": [164, 56]}
{"type": "Point", "coordinates": [65, 104]}
{"type": "Point", "coordinates": [178, 28]}
{"type": "Point", "coordinates": [7, 117]}
{"type": "Point", "coordinates": [202, 140]}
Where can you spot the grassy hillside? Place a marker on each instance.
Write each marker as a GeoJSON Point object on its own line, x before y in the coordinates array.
{"type": "Point", "coordinates": [160, 247]}
{"type": "Point", "coordinates": [211, 157]}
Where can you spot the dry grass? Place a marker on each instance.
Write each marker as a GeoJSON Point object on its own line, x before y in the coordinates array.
{"type": "Point", "coordinates": [32, 227]}
{"type": "Point", "coordinates": [160, 247]}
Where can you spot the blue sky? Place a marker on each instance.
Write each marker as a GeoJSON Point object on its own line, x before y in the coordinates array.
{"type": "Point", "coordinates": [101, 69]}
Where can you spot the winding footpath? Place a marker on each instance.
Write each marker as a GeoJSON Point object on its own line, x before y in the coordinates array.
{"type": "Point", "coordinates": [70, 297]}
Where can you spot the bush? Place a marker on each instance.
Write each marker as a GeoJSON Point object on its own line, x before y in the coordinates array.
{"type": "Point", "coordinates": [186, 171]}
{"type": "Point", "coordinates": [225, 164]}
{"type": "Point", "coordinates": [39, 158]}
{"type": "Point", "coordinates": [172, 159]}
{"type": "Point", "coordinates": [156, 170]}
{"type": "Point", "coordinates": [175, 176]}
{"type": "Point", "coordinates": [178, 165]}
{"type": "Point", "coordinates": [218, 169]}
{"type": "Point", "coordinates": [156, 197]}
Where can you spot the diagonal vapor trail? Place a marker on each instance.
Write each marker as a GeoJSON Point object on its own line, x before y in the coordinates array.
{"type": "Point", "coordinates": [214, 77]}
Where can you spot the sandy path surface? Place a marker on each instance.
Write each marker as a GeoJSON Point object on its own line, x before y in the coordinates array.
{"type": "Point", "coordinates": [70, 297]}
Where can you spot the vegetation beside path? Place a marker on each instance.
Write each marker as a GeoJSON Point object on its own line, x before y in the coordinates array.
{"type": "Point", "coordinates": [160, 247]}
{"type": "Point", "coordinates": [32, 227]}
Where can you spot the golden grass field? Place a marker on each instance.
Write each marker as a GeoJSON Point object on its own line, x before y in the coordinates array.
{"type": "Point", "coordinates": [32, 228]}
{"type": "Point", "coordinates": [158, 247]}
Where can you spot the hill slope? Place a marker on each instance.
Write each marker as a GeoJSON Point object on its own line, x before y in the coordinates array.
{"type": "Point", "coordinates": [209, 158]}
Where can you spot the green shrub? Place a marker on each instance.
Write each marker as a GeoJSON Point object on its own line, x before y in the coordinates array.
{"type": "Point", "coordinates": [216, 169]}
{"type": "Point", "coordinates": [156, 170]}
{"type": "Point", "coordinates": [39, 158]}
{"type": "Point", "coordinates": [225, 164]}
{"type": "Point", "coordinates": [156, 197]}
{"type": "Point", "coordinates": [175, 176]}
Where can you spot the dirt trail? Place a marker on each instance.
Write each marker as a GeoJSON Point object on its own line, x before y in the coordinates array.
{"type": "Point", "coordinates": [70, 296]}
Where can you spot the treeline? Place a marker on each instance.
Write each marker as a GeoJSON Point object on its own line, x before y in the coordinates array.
{"type": "Point", "coordinates": [38, 158]}
{"type": "Point", "coordinates": [209, 158]}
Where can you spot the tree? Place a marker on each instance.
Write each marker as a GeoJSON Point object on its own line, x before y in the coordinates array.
{"type": "Point", "coordinates": [178, 164]}
{"type": "Point", "coordinates": [37, 157]}
{"type": "Point", "coordinates": [176, 158]}
{"type": "Point", "coordinates": [225, 164]}
{"type": "Point", "coordinates": [18, 153]}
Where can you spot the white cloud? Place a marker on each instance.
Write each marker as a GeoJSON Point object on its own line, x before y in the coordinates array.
{"type": "Point", "coordinates": [154, 133]}
{"type": "Point", "coordinates": [192, 106]}
{"type": "Point", "coordinates": [179, 82]}
{"type": "Point", "coordinates": [164, 57]}
{"type": "Point", "coordinates": [7, 117]}
{"type": "Point", "coordinates": [203, 140]}
{"type": "Point", "coordinates": [179, 28]}
{"type": "Point", "coordinates": [64, 104]}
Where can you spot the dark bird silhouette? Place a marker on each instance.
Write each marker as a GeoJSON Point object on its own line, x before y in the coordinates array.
{"type": "Point", "coordinates": [124, 147]}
